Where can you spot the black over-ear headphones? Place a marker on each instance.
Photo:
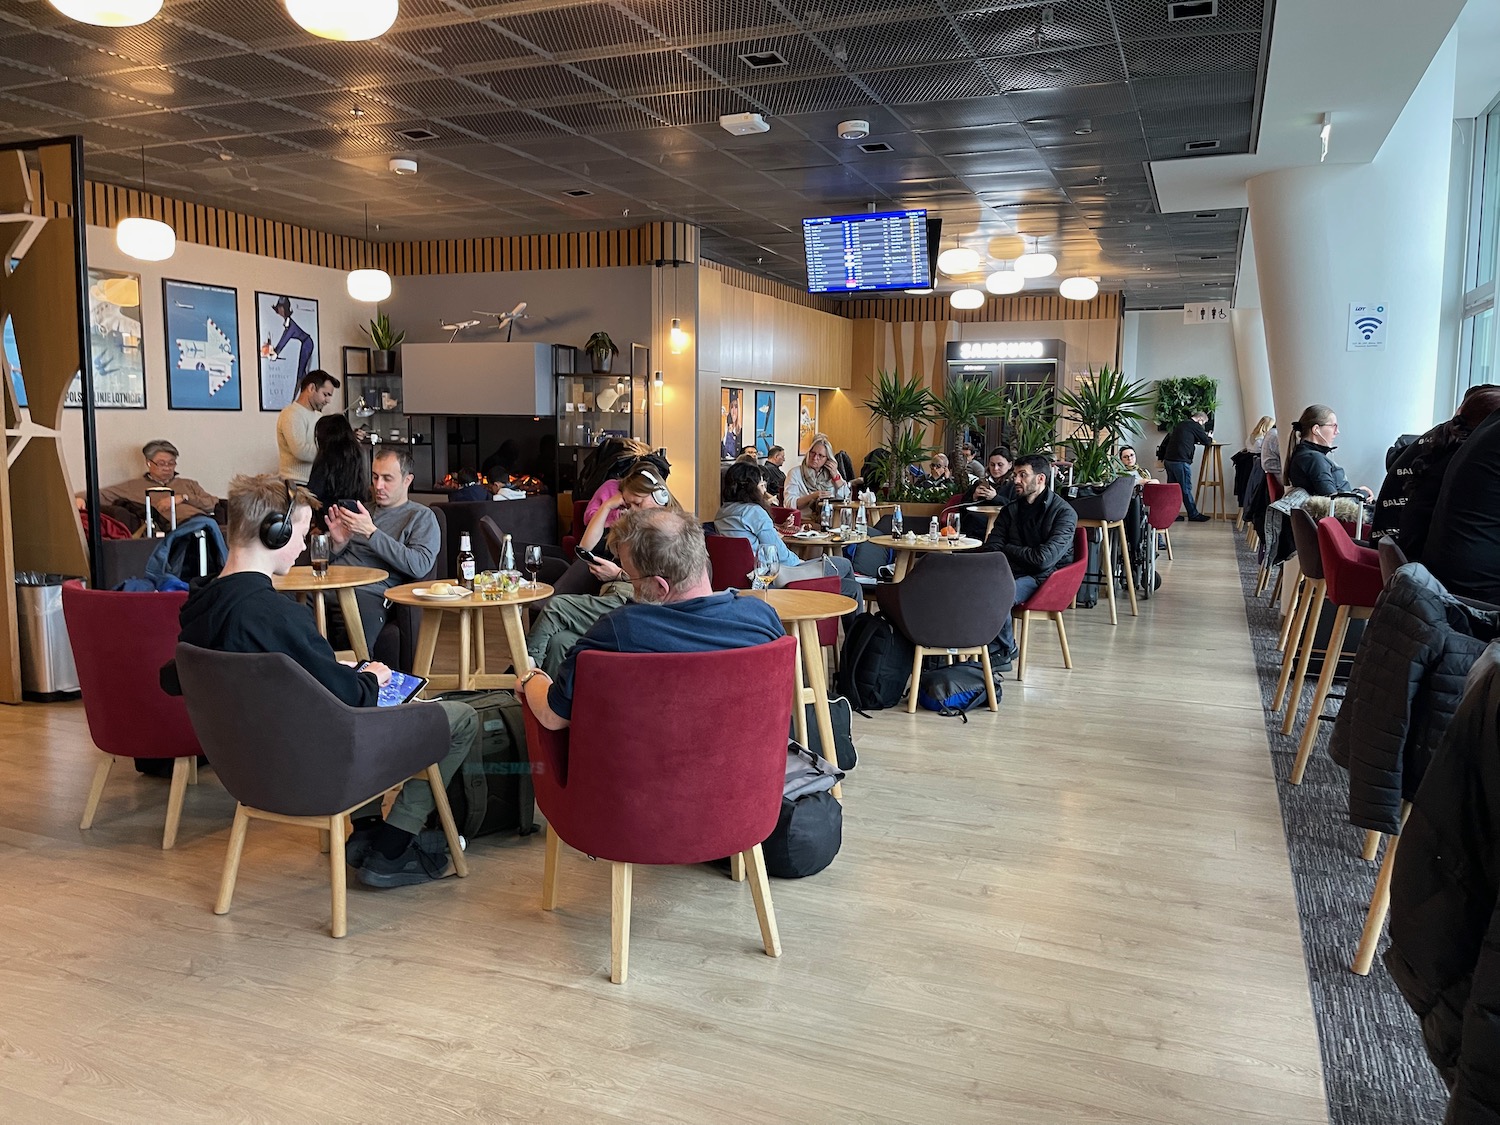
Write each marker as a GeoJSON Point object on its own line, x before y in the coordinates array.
{"type": "Point", "coordinates": [659, 491]}
{"type": "Point", "coordinates": [276, 528]}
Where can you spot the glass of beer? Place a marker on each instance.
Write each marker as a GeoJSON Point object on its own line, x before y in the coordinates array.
{"type": "Point", "coordinates": [317, 550]}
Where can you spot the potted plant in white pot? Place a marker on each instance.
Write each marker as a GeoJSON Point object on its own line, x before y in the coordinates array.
{"type": "Point", "coordinates": [601, 352]}
{"type": "Point", "coordinates": [385, 341]}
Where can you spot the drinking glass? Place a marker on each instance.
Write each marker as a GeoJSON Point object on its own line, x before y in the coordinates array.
{"type": "Point", "coordinates": [533, 562]}
{"type": "Point", "coordinates": [767, 566]}
{"type": "Point", "coordinates": [317, 550]}
{"type": "Point", "coordinates": [953, 521]}
{"type": "Point", "coordinates": [846, 522]}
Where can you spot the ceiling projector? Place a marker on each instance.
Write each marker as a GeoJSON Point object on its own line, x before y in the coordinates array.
{"type": "Point", "coordinates": [743, 124]}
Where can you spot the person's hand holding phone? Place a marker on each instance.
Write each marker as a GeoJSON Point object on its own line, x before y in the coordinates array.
{"type": "Point", "coordinates": [984, 491]}
{"type": "Point", "coordinates": [357, 522]}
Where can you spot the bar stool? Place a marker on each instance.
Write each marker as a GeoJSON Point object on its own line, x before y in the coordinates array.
{"type": "Point", "coordinates": [1307, 610]}
{"type": "Point", "coordinates": [1111, 506]}
{"type": "Point", "coordinates": [1211, 479]}
{"type": "Point", "coordinates": [1353, 580]}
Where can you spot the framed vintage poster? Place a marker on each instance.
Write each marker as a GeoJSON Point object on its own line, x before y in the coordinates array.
{"type": "Point", "coordinates": [115, 343]}
{"type": "Point", "coordinates": [765, 421]}
{"type": "Point", "coordinates": [734, 426]}
{"type": "Point", "coordinates": [286, 345]}
{"type": "Point", "coordinates": [807, 422]}
{"type": "Point", "coordinates": [203, 348]}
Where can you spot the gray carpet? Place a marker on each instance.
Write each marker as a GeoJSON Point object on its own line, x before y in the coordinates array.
{"type": "Point", "coordinates": [1374, 1068]}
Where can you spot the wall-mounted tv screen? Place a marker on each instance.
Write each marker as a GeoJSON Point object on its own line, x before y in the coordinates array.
{"type": "Point", "coordinates": [857, 253]}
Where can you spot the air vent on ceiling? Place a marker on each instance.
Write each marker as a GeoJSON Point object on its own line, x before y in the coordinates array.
{"type": "Point", "coordinates": [763, 60]}
{"type": "Point", "coordinates": [1191, 10]}
{"type": "Point", "coordinates": [1201, 146]}
{"type": "Point", "coordinates": [578, 192]}
{"type": "Point", "coordinates": [1205, 214]}
{"type": "Point", "coordinates": [1208, 257]}
{"type": "Point", "coordinates": [1216, 285]}
{"type": "Point", "coordinates": [419, 134]}
{"type": "Point", "coordinates": [876, 146]}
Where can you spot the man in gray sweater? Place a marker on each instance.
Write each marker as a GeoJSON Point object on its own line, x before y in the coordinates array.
{"type": "Point", "coordinates": [400, 536]}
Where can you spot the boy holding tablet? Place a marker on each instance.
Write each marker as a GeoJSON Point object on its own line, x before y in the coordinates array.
{"type": "Point", "coordinates": [240, 611]}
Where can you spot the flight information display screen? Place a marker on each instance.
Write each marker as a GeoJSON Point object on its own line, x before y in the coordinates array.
{"type": "Point", "coordinates": [855, 253]}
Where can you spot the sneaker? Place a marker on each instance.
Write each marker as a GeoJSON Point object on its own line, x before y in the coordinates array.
{"type": "Point", "coordinates": [361, 840]}
{"type": "Point", "coordinates": [1199, 518]}
{"type": "Point", "coordinates": [425, 860]}
{"type": "Point", "coordinates": [886, 572]}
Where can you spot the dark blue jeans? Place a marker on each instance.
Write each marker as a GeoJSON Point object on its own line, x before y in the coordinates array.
{"type": "Point", "coordinates": [1025, 587]}
{"type": "Point", "coordinates": [1181, 472]}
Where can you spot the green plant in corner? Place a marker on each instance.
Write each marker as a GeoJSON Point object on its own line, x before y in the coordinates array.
{"type": "Point", "coordinates": [600, 348]}
{"type": "Point", "coordinates": [382, 336]}
{"type": "Point", "coordinates": [1101, 410]}
{"type": "Point", "coordinates": [1030, 420]}
{"type": "Point", "coordinates": [1177, 399]}
{"type": "Point", "coordinates": [901, 404]}
{"type": "Point", "coordinates": [965, 403]}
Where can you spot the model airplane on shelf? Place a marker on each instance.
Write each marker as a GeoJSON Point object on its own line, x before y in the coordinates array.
{"type": "Point", "coordinates": [457, 326]}
{"type": "Point", "coordinates": [507, 320]}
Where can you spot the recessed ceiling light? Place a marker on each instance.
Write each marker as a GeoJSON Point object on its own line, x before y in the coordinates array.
{"type": "Point", "coordinates": [1201, 146]}
{"type": "Point", "coordinates": [152, 86]}
{"type": "Point", "coordinates": [876, 146]}
{"type": "Point", "coordinates": [1205, 214]}
{"type": "Point", "coordinates": [578, 193]}
{"type": "Point", "coordinates": [418, 134]}
{"type": "Point", "coordinates": [763, 60]}
{"type": "Point", "coordinates": [1083, 128]}
{"type": "Point", "coordinates": [1191, 10]}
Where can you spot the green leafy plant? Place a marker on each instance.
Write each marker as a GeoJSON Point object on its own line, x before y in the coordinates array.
{"type": "Point", "coordinates": [385, 338]}
{"type": "Point", "coordinates": [965, 403]}
{"type": "Point", "coordinates": [904, 405]}
{"type": "Point", "coordinates": [600, 345]}
{"type": "Point", "coordinates": [1101, 410]}
{"type": "Point", "coordinates": [1030, 420]}
{"type": "Point", "coordinates": [1177, 399]}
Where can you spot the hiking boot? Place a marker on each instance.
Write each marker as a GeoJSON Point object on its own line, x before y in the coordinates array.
{"type": "Point", "coordinates": [361, 840]}
{"type": "Point", "coordinates": [1199, 518]}
{"type": "Point", "coordinates": [424, 860]}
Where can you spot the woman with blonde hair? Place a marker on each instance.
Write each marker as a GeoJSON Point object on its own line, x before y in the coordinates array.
{"type": "Point", "coordinates": [817, 478]}
{"type": "Point", "coordinates": [1257, 435]}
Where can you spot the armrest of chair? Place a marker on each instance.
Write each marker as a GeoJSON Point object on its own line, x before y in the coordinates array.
{"type": "Point", "coordinates": [548, 751]}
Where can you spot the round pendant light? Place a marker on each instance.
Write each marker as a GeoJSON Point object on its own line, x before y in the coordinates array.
{"type": "Point", "coordinates": [146, 239]}
{"type": "Point", "coordinates": [369, 285]}
{"type": "Point", "coordinates": [960, 259]}
{"type": "Point", "coordinates": [1079, 288]}
{"type": "Point", "coordinates": [1036, 265]}
{"type": "Point", "coordinates": [108, 13]}
{"type": "Point", "coordinates": [345, 20]}
{"type": "Point", "coordinates": [967, 299]}
{"type": "Point", "coordinates": [1004, 281]}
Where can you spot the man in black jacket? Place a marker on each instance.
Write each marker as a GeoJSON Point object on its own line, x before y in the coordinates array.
{"type": "Point", "coordinates": [1176, 455]}
{"type": "Point", "coordinates": [240, 611]}
{"type": "Point", "coordinates": [1035, 532]}
{"type": "Point", "coordinates": [1463, 541]}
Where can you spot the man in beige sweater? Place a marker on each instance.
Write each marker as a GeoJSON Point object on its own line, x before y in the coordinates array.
{"type": "Point", "coordinates": [191, 498]}
{"type": "Point", "coordinates": [295, 446]}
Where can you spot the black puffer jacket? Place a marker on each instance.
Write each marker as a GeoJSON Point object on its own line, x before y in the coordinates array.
{"type": "Point", "coordinates": [1406, 683]}
{"type": "Point", "coordinates": [1445, 930]}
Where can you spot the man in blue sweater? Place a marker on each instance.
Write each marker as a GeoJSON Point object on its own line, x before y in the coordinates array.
{"type": "Point", "coordinates": [662, 553]}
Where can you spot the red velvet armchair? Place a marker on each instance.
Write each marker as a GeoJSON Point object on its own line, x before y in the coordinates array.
{"type": "Point", "coordinates": [673, 758]}
{"type": "Point", "coordinates": [731, 558]}
{"type": "Point", "coordinates": [575, 533]}
{"type": "Point", "coordinates": [120, 641]}
{"type": "Point", "coordinates": [1163, 503]}
{"type": "Point", "coordinates": [1053, 597]}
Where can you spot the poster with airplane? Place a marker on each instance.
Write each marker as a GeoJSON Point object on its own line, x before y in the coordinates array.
{"type": "Point", "coordinates": [203, 351]}
{"type": "Point", "coordinates": [115, 343]}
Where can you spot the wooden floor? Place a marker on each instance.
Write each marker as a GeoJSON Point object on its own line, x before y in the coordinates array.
{"type": "Point", "coordinates": [1077, 910]}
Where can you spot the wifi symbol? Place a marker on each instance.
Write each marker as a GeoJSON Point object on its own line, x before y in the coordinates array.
{"type": "Point", "coordinates": [1368, 325]}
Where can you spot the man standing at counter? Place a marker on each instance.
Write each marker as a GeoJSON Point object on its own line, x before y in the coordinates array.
{"type": "Point", "coordinates": [295, 446]}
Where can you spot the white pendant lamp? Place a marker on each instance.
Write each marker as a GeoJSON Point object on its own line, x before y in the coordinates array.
{"type": "Point", "coordinates": [345, 20]}
{"type": "Point", "coordinates": [370, 285]}
{"type": "Point", "coordinates": [108, 13]}
{"type": "Point", "coordinates": [1078, 288]}
{"type": "Point", "coordinates": [146, 240]}
{"type": "Point", "coordinates": [1004, 281]}
{"type": "Point", "coordinates": [677, 337]}
{"type": "Point", "coordinates": [967, 299]}
{"type": "Point", "coordinates": [958, 260]}
{"type": "Point", "coordinates": [1036, 264]}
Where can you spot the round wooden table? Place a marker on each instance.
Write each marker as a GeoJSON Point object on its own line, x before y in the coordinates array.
{"type": "Point", "coordinates": [907, 549]}
{"type": "Point", "coordinates": [341, 580]}
{"type": "Point", "coordinates": [814, 544]}
{"type": "Point", "coordinates": [801, 610]}
{"type": "Point", "coordinates": [990, 511]}
{"type": "Point", "coordinates": [470, 610]}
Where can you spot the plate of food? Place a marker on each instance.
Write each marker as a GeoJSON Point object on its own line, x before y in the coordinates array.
{"type": "Point", "coordinates": [441, 592]}
{"type": "Point", "coordinates": [808, 533]}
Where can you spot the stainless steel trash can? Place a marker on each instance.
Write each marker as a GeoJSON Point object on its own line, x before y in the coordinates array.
{"type": "Point", "coordinates": [47, 670]}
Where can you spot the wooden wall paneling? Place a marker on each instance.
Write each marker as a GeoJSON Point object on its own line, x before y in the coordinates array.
{"type": "Point", "coordinates": [764, 324]}
{"type": "Point", "coordinates": [710, 322]}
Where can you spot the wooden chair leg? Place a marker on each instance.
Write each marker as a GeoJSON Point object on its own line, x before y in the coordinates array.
{"type": "Point", "coordinates": [445, 815]}
{"type": "Point", "coordinates": [1260, 583]}
{"type": "Point", "coordinates": [175, 796]}
{"type": "Point", "coordinates": [96, 789]}
{"type": "Point", "coordinates": [1372, 845]}
{"type": "Point", "coordinates": [1168, 534]}
{"type": "Point", "coordinates": [1380, 904]}
{"type": "Point", "coordinates": [619, 921]}
{"type": "Point", "coordinates": [1107, 573]}
{"type": "Point", "coordinates": [737, 867]}
{"type": "Point", "coordinates": [1298, 593]}
{"type": "Point", "coordinates": [916, 680]}
{"type": "Point", "coordinates": [232, 859]}
{"type": "Point", "coordinates": [760, 891]}
{"type": "Point", "coordinates": [1299, 677]}
{"type": "Point", "coordinates": [549, 871]}
{"type": "Point", "coordinates": [1295, 640]}
{"type": "Point", "coordinates": [1062, 640]}
{"type": "Point", "coordinates": [989, 679]}
{"type": "Point", "coordinates": [1276, 589]}
{"type": "Point", "coordinates": [1325, 681]}
{"type": "Point", "coordinates": [1023, 645]}
{"type": "Point", "coordinates": [1127, 568]}
{"type": "Point", "coordinates": [336, 831]}
{"type": "Point", "coordinates": [193, 770]}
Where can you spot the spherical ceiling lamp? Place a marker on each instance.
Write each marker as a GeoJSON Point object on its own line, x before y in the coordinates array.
{"type": "Point", "coordinates": [967, 299]}
{"type": "Point", "coordinates": [1004, 281]}
{"type": "Point", "coordinates": [146, 239]}
{"type": "Point", "coordinates": [108, 13]}
{"type": "Point", "coordinates": [958, 260]}
{"type": "Point", "coordinates": [1079, 288]}
{"type": "Point", "coordinates": [345, 20]}
{"type": "Point", "coordinates": [369, 285]}
{"type": "Point", "coordinates": [1036, 265]}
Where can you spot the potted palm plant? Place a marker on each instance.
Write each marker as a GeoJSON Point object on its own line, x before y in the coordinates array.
{"type": "Point", "coordinates": [1030, 420]}
{"type": "Point", "coordinates": [601, 351]}
{"type": "Point", "coordinates": [384, 341]}
{"type": "Point", "coordinates": [903, 405]}
{"type": "Point", "coordinates": [965, 403]}
{"type": "Point", "coordinates": [1101, 409]}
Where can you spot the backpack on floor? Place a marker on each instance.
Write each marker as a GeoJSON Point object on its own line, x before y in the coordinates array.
{"type": "Point", "coordinates": [867, 558]}
{"type": "Point", "coordinates": [810, 830]}
{"type": "Point", "coordinates": [875, 664]}
{"type": "Point", "coordinates": [492, 790]}
{"type": "Point", "coordinates": [842, 715]}
{"type": "Point", "coordinates": [954, 689]}
{"type": "Point", "coordinates": [1088, 593]}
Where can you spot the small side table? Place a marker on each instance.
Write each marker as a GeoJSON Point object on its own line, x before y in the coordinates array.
{"type": "Point", "coordinates": [470, 611]}
{"type": "Point", "coordinates": [340, 580]}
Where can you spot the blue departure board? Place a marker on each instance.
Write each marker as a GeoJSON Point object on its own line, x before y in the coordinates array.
{"type": "Point", "coordinates": [854, 253]}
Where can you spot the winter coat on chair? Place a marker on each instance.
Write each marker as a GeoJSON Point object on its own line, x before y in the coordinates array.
{"type": "Point", "coordinates": [1445, 930]}
{"type": "Point", "coordinates": [1406, 683]}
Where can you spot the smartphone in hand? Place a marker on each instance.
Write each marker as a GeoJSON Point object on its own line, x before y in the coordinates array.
{"type": "Point", "coordinates": [586, 555]}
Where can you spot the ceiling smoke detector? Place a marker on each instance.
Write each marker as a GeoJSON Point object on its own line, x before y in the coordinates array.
{"type": "Point", "coordinates": [854, 130]}
{"type": "Point", "coordinates": [403, 166]}
{"type": "Point", "coordinates": [743, 124]}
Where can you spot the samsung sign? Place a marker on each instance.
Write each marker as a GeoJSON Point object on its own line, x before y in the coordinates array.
{"type": "Point", "coordinates": [998, 349]}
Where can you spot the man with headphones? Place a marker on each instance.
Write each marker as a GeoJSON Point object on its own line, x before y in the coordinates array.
{"type": "Point", "coordinates": [240, 611]}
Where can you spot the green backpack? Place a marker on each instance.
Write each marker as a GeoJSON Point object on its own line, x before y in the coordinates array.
{"type": "Point", "coordinates": [492, 790]}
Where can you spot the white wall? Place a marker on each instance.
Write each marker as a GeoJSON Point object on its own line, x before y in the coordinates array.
{"type": "Point", "coordinates": [1158, 345]}
{"type": "Point", "coordinates": [214, 444]}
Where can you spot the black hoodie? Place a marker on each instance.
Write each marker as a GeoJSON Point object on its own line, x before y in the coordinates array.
{"type": "Point", "coordinates": [244, 613]}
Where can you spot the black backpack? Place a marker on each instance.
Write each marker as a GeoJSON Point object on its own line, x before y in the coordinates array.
{"type": "Point", "coordinates": [492, 791]}
{"type": "Point", "coordinates": [875, 665]}
{"type": "Point", "coordinates": [841, 714]}
{"type": "Point", "coordinates": [952, 689]}
{"type": "Point", "coordinates": [810, 829]}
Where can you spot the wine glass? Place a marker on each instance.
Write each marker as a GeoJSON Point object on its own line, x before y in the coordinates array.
{"type": "Point", "coordinates": [767, 566]}
{"type": "Point", "coordinates": [533, 562]}
{"type": "Point", "coordinates": [952, 521]}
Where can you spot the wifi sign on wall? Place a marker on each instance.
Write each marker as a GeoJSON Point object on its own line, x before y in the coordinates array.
{"type": "Point", "coordinates": [1367, 324]}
